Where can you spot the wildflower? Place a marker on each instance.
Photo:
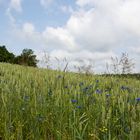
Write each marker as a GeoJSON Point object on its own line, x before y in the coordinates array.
{"type": "Point", "coordinates": [78, 107]}
{"type": "Point", "coordinates": [98, 91]}
{"type": "Point", "coordinates": [97, 81]}
{"type": "Point", "coordinates": [73, 101]}
{"type": "Point", "coordinates": [138, 99]}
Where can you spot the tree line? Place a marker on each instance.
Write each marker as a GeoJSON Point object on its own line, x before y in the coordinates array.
{"type": "Point", "coordinates": [26, 58]}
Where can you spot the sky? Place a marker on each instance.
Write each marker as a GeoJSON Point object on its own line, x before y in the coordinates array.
{"type": "Point", "coordinates": [87, 30]}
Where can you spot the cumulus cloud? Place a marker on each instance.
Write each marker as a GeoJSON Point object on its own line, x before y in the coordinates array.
{"type": "Point", "coordinates": [129, 18]}
{"type": "Point", "coordinates": [98, 32]}
{"type": "Point", "coordinates": [108, 25]}
{"type": "Point", "coordinates": [59, 38]}
{"type": "Point", "coordinates": [101, 28]}
{"type": "Point", "coordinates": [28, 35]}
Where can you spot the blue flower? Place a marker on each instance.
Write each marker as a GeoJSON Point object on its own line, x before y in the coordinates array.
{"type": "Point", "coordinates": [98, 91]}
{"type": "Point", "coordinates": [97, 81]}
{"type": "Point", "coordinates": [73, 101]}
{"type": "Point", "coordinates": [78, 107]}
{"type": "Point", "coordinates": [138, 99]}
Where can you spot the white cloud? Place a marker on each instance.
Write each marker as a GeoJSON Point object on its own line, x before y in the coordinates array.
{"type": "Point", "coordinates": [28, 35]}
{"type": "Point", "coordinates": [16, 5]}
{"type": "Point", "coordinates": [91, 31]}
{"type": "Point", "coordinates": [59, 38]}
{"type": "Point", "coordinates": [45, 3]}
{"type": "Point", "coordinates": [28, 28]}
{"type": "Point", "coordinates": [129, 17]}
{"type": "Point", "coordinates": [66, 9]}
{"type": "Point", "coordinates": [97, 33]}
{"type": "Point", "coordinates": [85, 2]}
{"type": "Point", "coordinates": [83, 54]}
{"type": "Point", "coordinates": [135, 50]}
{"type": "Point", "coordinates": [97, 59]}
{"type": "Point", "coordinates": [13, 5]}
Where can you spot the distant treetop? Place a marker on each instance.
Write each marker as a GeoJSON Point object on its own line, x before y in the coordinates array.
{"type": "Point", "coordinates": [26, 58]}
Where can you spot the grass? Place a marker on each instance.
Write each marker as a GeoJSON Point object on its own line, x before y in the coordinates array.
{"type": "Point", "coordinates": [39, 104]}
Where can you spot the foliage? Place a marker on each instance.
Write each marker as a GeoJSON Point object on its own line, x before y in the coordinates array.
{"type": "Point", "coordinates": [38, 104]}
{"type": "Point", "coordinates": [5, 55]}
{"type": "Point", "coordinates": [27, 57]}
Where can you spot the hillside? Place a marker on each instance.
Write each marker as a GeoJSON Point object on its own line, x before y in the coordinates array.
{"type": "Point", "coordinates": [40, 104]}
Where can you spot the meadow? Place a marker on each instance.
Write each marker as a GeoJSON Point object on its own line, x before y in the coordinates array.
{"type": "Point", "coordinates": [40, 104]}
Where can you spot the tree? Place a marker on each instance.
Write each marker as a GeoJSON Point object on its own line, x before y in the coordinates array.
{"type": "Point", "coordinates": [27, 58]}
{"type": "Point", "coordinates": [6, 56]}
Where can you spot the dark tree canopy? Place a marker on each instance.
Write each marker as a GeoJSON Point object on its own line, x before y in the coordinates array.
{"type": "Point", "coordinates": [5, 55]}
{"type": "Point", "coordinates": [26, 58]}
